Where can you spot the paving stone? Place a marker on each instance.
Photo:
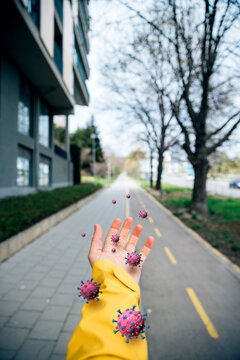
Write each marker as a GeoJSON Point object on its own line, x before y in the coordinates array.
{"type": "Point", "coordinates": [77, 306]}
{"type": "Point", "coordinates": [36, 276]}
{"type": "Point", "coordinates": [46, 330]}
{"type": "Point", "coordinates": [4, 288]}
{"type": "Point", "coordinates": [27, 284]}
{"type": "Point", "coordinates": [50, 282]}
{"type": "Point", "coordinates": [7, 354]}
{"type": "Point", "coordinates": [3, 320]}
{"type": "Point", "coordinates": [58, 357]}
{"type": "Point", "coordinates": [34, 303]}
{"type": "Point", "coordinates": [68, 288]}
{"type": "Point", "coordinates": [14, 294]}
{"type": "Point", "coordinates": [62, 343]}
{"type": "Point", "coordinates": [35, 349]}
{"type": "Point", "coordinates": [57, 274]}
{"type": "Point", "coordinates": [62, 299]}
{"type": "Point", "coordinates": [71, 323]}
{"type": "Point", "coordinates": [12, 339]}
{"type": "Point", "coordinates": [23, 319]}
{"type": "Point", "coordinates": [12, 278]}
{"type": "Point", "coordinates": [7, 308]}
{"type": "Point", "coordinates": [43, 291]}
{"type": "Point", "coordinates": [53, 312]}
{"type": "Point", "coordinates": [73, 279]}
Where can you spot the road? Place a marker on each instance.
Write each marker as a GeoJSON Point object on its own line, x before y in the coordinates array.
{"type": "Point", "coordinates": [191, 294]}
{"type": "Point", "coordinates": [213, 187]}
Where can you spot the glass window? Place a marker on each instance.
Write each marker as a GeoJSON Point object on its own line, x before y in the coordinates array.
{"type": "Point", "coordinates": [25, 110]}
{"type": "Point", "coordinates": [24, 163]}
{"type": "Point", "coordinates": [44, 172]}
{"type": "Point", "coordinates": [44, 126]}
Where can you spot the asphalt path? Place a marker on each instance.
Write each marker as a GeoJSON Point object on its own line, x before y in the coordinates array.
{"type": "Point", "coordinates": [192, 294]}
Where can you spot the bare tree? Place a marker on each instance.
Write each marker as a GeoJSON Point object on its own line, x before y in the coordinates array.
{"type": "Point", "coordinates": [202, 42]}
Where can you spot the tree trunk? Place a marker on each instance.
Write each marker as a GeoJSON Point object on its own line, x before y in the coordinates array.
{"type": "Point", "coordinates": [199, 194]}
{"type": "Point", "coordinates": [151, 170]}
{"type": "Point", "coordinates": [159, 172]}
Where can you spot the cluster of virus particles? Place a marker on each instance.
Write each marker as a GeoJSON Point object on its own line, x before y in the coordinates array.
{"type": "Point", "coordinates": [89, 290]}
{"type": "Point", "coordinates": [130, 323]}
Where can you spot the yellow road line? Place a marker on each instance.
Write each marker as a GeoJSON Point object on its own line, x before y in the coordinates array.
{"type": "Point", "coordinates": [203, 315]}
{"type": "Point", "coordinates": [158, 232]}
{"type": "Point", "coordinates": [150, 220]}
{"type": "Point", "coordinates": [170, 255]}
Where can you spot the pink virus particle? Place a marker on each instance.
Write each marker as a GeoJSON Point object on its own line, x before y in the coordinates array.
{"type": "Point", "coordinates": [83, 234]}
{"type": "Point", "coordinates": [113, 250]}
{"type": "Point", "coordinates": [143, 214]}
{"type": "Point", "coordinates": [115, 239]}
{"type": "Point", "coordinates": [114, 201]}
{"type": "Point", "coordinates": [131, 323]}
{"type": "Point", "coordinates": [133, 259]}
{"type": "Point", "coordinates": [128, 196]}
{"type": "Point", "coordinates": [89, 290]}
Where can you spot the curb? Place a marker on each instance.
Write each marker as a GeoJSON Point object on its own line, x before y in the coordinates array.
{"type": "Point", "coordinates": [235, 269]}
{"type": "Point", "coordinates": [17, 242]}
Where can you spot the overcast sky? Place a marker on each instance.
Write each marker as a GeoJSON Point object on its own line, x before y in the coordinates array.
{"type": "Point", "coordinates": [114, 137]}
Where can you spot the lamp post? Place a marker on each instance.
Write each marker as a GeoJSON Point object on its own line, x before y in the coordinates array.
{"type": "Point", "coordinates": [93, 137]}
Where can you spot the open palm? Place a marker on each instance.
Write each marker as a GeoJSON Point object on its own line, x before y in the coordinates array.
{"type": "Point", "coordinates": [99, 252]}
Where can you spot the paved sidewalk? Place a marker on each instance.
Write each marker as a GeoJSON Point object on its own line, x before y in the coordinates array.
{"type": "Point", "coordinates": [39, 303]}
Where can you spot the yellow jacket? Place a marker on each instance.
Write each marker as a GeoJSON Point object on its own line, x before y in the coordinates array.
{"type": "Point", "coordinates": [93, 337]}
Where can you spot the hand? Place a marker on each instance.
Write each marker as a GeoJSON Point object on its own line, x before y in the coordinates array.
{"type": "Point", "coordinates": [97, 252]}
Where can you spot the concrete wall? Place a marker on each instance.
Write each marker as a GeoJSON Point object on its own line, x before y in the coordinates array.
{"type": "Point", "coordinates": [47, 25]}
{"type": "Point", "coordinates": [10, 138]}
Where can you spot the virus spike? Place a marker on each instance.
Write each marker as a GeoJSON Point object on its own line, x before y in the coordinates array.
{"type": "Point", "coordinates": [114, 320]}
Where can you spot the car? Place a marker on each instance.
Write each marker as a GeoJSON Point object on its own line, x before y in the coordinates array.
{"type": "Point", "coordinates": [234, 183]}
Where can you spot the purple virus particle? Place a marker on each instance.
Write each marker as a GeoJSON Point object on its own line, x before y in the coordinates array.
{"type": "Point", "coordinates": [113, 250]}
{"type": "Point", "coordinates": [114, 201]}
{"type": "Point", "coordinates": [89, 290]}
{"type": "Point", "coordinates": [143, 214]}
{"type": "Point", "coordinates": [131, 323]}
{"type": "Point", "coordinates": [133, 259]}
{"type": "Point", "coordinates": [83, 234]}
{"type": "Point", "coordinates": [128, 196]}
{"type": "Point", "coordinates": [115, 239]}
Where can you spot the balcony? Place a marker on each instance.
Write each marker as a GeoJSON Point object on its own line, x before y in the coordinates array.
{"type": "Point", "coordinates": [59, 8]}
{"type": "Point", "coordinates": [60, 152]}
{"type": "Point", "coordinates": [84, 15]}
{"type": "Point", "coordinates": [79, 63]}
{"type": "Point", "coordinates": [33, 8]}
{"type": "Point", "coordinates": [58, 58]}
{"type": "Point", "coordinates": [81, 35]}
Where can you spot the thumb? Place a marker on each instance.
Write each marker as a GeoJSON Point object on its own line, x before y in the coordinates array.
{"type": "Point", "coordinates": [96, 244]}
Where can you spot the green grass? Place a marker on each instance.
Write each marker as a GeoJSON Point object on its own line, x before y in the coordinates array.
{"type": "Point", "coordinates": [228, 208]}
{"type": "Point", "coordinates": [20, 212]}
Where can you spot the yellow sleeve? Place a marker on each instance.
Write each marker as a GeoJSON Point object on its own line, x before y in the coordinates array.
{"type": "Point", "coordinates": [93, 337]}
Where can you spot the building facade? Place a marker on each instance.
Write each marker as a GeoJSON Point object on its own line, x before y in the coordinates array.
{"type": "Point", "coordinates": [43, 73]}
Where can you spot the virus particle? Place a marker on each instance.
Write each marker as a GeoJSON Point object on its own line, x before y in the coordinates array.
{"type": "Point", "coordinates": [114, 201]}
{"type": "Point", "coordinates": [143, 214]}
{"type": "Point", "coordinates": [113, 250]}
{"type": "Point", "coordinates": [133, 259]}
{"type": "Point", "coordinates": [115, 239]}
{"type": "Point", "coordinates": [89, 290]}
{"type": "Point", "coordinates": [131, 323]}
{"type": "Point", "coordinates": [128, 196]}
{"type": "Point", "coordinates": [83, 234]}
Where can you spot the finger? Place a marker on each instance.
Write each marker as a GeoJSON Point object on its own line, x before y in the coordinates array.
{"type": "Point", "coordinates": [125, 232]}
{"type": "Point", "coordinates": [147, 248]}
{"type": "Point", "coordinates": [96, 244]}
{"type": "Point", "coordinates": [113, 230]}
{"type": "Point", "coordinates": [130, 247]}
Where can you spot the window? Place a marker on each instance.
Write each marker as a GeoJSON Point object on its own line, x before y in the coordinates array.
{"type": "Point", "coordinates": [44, 171]}
{"type": "Point", "coordinates": [44, 126]}
{"type": "Point", "coordinates": [24, 167]}
{"type": "Point", "coordinates": [25, 110]}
